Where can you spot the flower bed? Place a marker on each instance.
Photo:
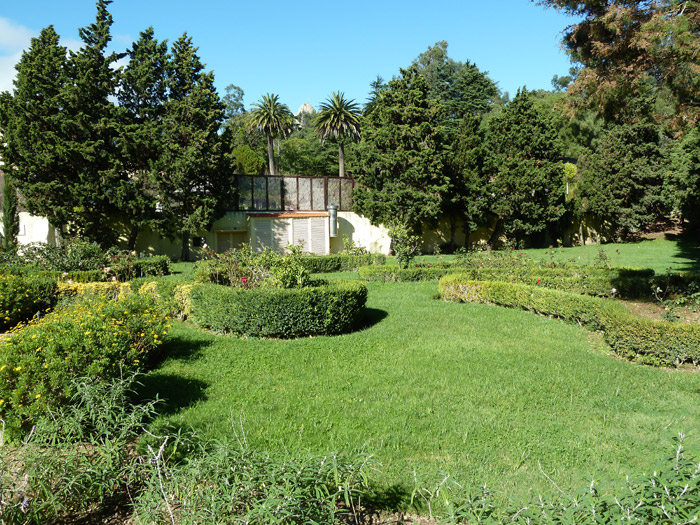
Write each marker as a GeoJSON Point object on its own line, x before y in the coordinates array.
{"type": "Point", "coordinates": [94, 338]}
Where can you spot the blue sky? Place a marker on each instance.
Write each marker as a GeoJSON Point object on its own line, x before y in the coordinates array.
{"type": "Point", "coordinates": [305, 50]}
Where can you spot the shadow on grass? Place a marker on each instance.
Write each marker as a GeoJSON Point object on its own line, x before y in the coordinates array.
{"type": "Point", "coordinates": [371, 317]}
{"type": "Point", "coordinates": [395, 498]}
{"type": "Point", "coordinates": [687, 247]}
{"type": "Point", "coordinates": [185, 349]}
{"type": "Point", "coordinates": [176, 392]}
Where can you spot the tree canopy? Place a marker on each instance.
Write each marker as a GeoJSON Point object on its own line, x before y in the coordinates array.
{"type": "Point", "coordinates": [402, 155]}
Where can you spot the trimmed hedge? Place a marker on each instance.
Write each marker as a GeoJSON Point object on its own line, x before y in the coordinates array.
{"type": "Point", "coordinates": [278, 312]}
{"type": "Point", "coordinates": [22, 296]}
{"type": "Point", "coordinates": [643, 340]}
{"type": "Point", "coordinates": [340, 262]}
{"type": "Point", "coordinates": [392, 274]}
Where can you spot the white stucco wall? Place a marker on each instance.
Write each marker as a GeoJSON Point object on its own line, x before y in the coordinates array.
{"type": "Point", "coordinates": [34, 229]}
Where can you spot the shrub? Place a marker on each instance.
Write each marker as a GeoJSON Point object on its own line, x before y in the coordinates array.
{"type": "Point", "coordinates": [22, 297]}
{"type": "Point", "coordinates": [405, 244]}
{"type": "Point", "coordinates": [630, 336]}
{"type": "Point", "coordinates": [78, 461]}
{"type": "Point", "coordinates": [275, 312]}
{"type": "Point", "coordinates": [128, 266]}
{"type": "Point", "coordinates": [73, 255]}
{"type": "Point", "coordinates": [393, 274]}
{"type": "Point", "coordinates": [183, 299]}
{"type": "Point", "coordinates": [341, 262]}
{"type": "Point", "coordinates": [243, 268]}
{"type": "Point", "coordinates": [94, 338]}
{"type": "Point", "coordinates": [108, 290]}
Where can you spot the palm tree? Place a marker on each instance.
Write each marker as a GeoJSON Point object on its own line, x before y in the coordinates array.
{"type": "Point", "coordinates": [341, 118]}
{"type": "Point", "coordinates": [274, 119]}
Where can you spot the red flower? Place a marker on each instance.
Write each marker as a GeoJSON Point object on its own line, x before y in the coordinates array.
{"type": "Point", "coordinates": [244, 280]}
{"type": "Point", "coordinates": [538, 281]}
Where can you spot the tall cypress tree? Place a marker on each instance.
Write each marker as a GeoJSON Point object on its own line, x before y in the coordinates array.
{"type": "Point", "coordinates": [523, 165]}
{"type": "Point", "coordinates": [142, 95]}
{"type": "Point", "coordinates": [89, 120]}
{"type": "Point", "coordinates": [10, 219]}
{"type": "Point", "coordinates": [38, 151]}
{"type": "Point", "coordinates": [190, 183]}
{"type": "Point", "coordinates": [402, 155]}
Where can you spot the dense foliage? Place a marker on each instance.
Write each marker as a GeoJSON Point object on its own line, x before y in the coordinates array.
{"type": "Point", "coordinates": [99, 338]}
{"type": "Point", "coordinates": [100, 169]}
{"type": "Point", "coordinates": [278, 312]}
{"type": "Point", "coordinates": [403, 151]}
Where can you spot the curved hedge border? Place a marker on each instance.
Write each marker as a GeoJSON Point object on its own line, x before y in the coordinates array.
{"type": "Point", "coordinates": [643, 340]}
{"type": "Point", "coordinates": [279, 312]}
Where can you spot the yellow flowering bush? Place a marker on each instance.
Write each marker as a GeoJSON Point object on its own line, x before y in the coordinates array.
{"type": "Point", "coordinates": [93, 338]}
{"type": "Point", "coordinates": [107, 290]}
{"type": "Point", "coordinates": [21, 297]}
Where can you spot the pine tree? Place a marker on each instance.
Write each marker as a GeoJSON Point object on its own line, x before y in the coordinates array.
{"type": "Point", "coordinates": [189, 178]}
{"type": "Point", "coordinates": [622, 178]}
{"type": "Point", "coordinates": [468, 197]}
{"type": "Point", "coordinates": [522, 162]}
{"type": "Point", "coordinates": [402, 155]}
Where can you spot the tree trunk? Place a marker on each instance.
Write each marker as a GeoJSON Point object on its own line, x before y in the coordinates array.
{"type": "Point", "coordinates": [341, 159]}
{"type": "Point", "coordinates": [453, 230]}
{"type": "Point", "coordinates": [133, 234]}
{"type": "Point", "coordinates": [467, 234]}
{"type": "Point", "coordinates": [580, 232]}
{"type": "Point", "coordinates": [271, 155]}
{"type": "Point", "coordinates": [497, 232]}
{"type": "Point", "coordinates": [185, 255]}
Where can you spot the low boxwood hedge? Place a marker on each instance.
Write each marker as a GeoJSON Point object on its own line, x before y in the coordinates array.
{"type": "Point", "coordinates": [279, 312]}
{"type": "Point", "coordinates": [630, 336]}
{"type": "Point", "coordinates": [392, 274]}
{"type": "Point", "coordinates": [341, 262]}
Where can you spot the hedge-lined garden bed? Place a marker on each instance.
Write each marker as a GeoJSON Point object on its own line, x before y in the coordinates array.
{"type": "Point", "coordinates": [278, 312]}
{"type": "Point", "coordinates": [630, 336]}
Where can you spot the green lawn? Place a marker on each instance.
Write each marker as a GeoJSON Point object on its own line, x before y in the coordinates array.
{"type": "Point", "coordinates": [484, 393]}
{"type": "Point", "coordinates": [679, 253]}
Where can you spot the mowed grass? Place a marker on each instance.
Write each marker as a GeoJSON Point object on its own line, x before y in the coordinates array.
{"type": "Point", "coordinates": [482, 393]}
{"type": "Point", "coordinates": [678, 253]}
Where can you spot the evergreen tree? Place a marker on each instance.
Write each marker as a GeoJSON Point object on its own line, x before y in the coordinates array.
{"type": "Point", "coordinates": [142, 95]}
{"type": "Point", "coordinates": [10, 219]}
{"type": "Point", "coordinates": [523, 165]}
{"type": "Point", "coordinates": [468, 197]}
{"type": "Point", "coordinates": [622, 178]}
{"type": "Point", "coordinates": [460, 87]}
{"type": "Point", "coordinates": [90, 127]}
{"type": "Point", "coordinates": [191, 185]}
{"type": "Point", "coordinates": [37, 148]}
{"type": "Point", "coordinates": [683, 182]}
{"type": "Point", "coordinates": [403, 152]}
